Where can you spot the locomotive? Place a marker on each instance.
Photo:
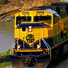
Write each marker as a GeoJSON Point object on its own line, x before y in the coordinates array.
{"type": "Point", "coordinates": [42, 31]}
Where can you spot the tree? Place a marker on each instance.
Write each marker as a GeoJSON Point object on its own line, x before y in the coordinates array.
{"type": "Point", "coordinates": [4, 1]}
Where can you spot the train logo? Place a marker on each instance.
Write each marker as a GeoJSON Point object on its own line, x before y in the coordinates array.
{"type": "Point", "coordinates": [30, 38]}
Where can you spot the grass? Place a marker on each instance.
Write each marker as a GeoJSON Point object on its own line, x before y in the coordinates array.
{"type": "Point", "coordinates": [5, 53]}
{"type": "Point", "coordinates": [63, 14]}
{"type": "Point", "coordinates": [0, 1]}
{"type": "Point", "coordinates": [5, 64]}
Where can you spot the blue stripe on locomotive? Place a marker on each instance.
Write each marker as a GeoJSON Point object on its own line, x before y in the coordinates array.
{"type": "Point", "coordinates": [49, 41]}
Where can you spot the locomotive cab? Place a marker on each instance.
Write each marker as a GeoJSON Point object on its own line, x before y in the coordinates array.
{"type": "Point", "coordinates": [34, 31]}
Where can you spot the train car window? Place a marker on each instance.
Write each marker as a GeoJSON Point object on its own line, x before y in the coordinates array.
{"type": "Point", "coordinates": [67, 10]}
{"type": "Point", "coordinates": [20, 19]}
{"type": "Point", "coordinates": [46, 19]}
{"type": "Point", "coordinates": [36, 18]}
{"type": "Point", "coordinates": [23, 29]}
{"type": "Point", "coordinates": [55, 40]}
{"type": "Point", "coordinates": [61, 34]}
{"type": "Point", "coordinates": [55, 19]}
{"type": "Point", "coordinates": [65, 35]}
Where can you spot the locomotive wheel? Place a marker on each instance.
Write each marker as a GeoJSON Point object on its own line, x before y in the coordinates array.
{"type": "Point", "coordinates": [29, 61]}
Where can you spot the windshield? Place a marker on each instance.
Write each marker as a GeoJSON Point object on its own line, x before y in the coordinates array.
{"type": "Point", "coordinates": [46, 19]}
{"type": "Point", "coordinates": [20, 19]}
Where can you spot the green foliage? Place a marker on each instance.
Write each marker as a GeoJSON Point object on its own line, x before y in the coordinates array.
{"type": "Point", "coordinates": [5, 64]}
{"type": "Point", "coordinates": [0, 1]}
{"type": "Point", "coordinates": [9, 1]}
{"type": "Point", "coordinates": [63, 14]}
{"type": "Point", "coordinates": [5, 53]}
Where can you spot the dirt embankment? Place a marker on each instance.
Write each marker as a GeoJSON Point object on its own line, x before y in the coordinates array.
{"type": "Point", "coordinates": [7, 11]}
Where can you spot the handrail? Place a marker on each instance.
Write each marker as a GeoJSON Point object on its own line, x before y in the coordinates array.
{"type": "Point", "coordinates": [23, 43]}
{"type": "Point", "coordinates": [47, 45]}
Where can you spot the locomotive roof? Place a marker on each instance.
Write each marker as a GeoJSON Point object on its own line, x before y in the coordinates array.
{"type": "Point", "coordinates": [53, 5]}
{"type": "Point", "coordinates": [60, 3]}
{"type": "Point", "coordinates": [53, 12]}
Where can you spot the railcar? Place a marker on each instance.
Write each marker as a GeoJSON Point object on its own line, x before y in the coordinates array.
{"type": "Point", "coordinates": [39, 32]}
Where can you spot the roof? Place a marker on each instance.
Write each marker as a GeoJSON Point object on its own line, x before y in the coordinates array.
{"type": "Point", "coordinates": [53, 12]}
{"type": "Point", "coordinates": [60, 3]}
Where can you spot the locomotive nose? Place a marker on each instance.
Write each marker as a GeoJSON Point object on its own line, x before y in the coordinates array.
{"type": "Point", "coordinates": [30, 38]}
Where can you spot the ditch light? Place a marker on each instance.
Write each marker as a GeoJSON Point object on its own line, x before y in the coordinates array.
{"type": "Point", "coordinates": [19, 46]}
{"type": "Point", "coordinates": [38, 46]}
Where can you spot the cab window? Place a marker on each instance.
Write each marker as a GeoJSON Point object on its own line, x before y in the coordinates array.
{"type": "Point", "coordinates": [55, 19]}
{"type": "Point", "coordinates": [46, 19]}
{"type": "Point", "coordinates": [20, 19]}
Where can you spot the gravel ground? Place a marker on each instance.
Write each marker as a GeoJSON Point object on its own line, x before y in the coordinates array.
{"type": "Point", "coordinates": [63, 64]}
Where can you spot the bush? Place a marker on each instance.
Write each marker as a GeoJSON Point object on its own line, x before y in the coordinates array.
{"type": "Point", "coordinates": [4, 1]}
{"type": "Point", "coordinates": [0, 1]}
{"type": "Point", "coordinates": [5, 53]}
{"type": "Point", "coordinates": [5, 64]}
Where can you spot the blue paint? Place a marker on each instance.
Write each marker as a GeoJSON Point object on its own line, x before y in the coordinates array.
{"type": "Point", "coordinates": [49, 41]}
{"type": "Point", "coordinates": [20, 43]}
{"type": "Point", "coordinates": [32, 55]}
{"type": "Point", "coordinates": [32, 24]}
{"type": "Point", "coordinates": [43, 45]}
{"type": "Point", "coordinates": [35, 45]}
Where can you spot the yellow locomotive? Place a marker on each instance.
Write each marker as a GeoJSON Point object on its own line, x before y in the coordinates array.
{"type": "Point", "coordinates": [40, 32]}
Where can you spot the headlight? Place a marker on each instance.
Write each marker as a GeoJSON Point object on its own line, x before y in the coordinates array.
{"type": "Point", "coordinates": [38, 46]}
{"type": "Point", "coordinates": [19, 47]}
{"type": "Point", "coordinates": [30, 28]}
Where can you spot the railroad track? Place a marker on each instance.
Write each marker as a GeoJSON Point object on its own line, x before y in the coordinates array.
{"type": "Point", "coordinates": [42, 62]}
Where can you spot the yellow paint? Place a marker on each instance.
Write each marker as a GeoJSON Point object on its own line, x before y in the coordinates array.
{"type": "Point", "coordinates": [29, 50]}
{"type": "Point", "coordinates": [38, 50]}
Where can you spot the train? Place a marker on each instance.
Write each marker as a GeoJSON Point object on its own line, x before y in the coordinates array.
{"type": "Point", "coordinates": [41, 30]}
